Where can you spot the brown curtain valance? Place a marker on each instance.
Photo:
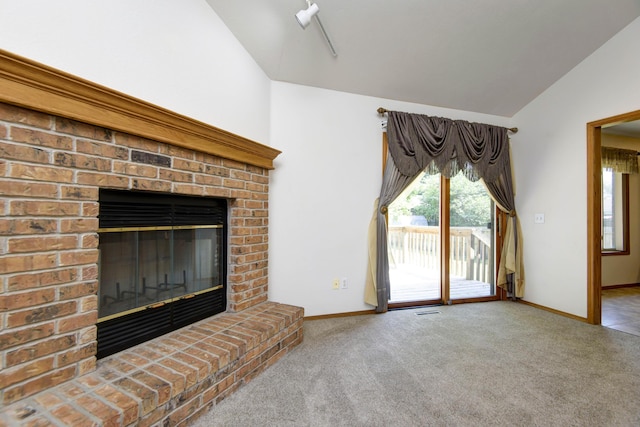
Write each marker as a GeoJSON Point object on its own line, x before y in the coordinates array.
{"type": "Point", "coordinates": [620, 160]}
{"type": "Point", "coordinates": [440, 145]}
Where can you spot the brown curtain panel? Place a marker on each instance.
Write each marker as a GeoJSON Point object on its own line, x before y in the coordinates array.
{"type": "Point", "coordinates": [377, 290]}
{"type": "Point", "coordinates": [440, 145]}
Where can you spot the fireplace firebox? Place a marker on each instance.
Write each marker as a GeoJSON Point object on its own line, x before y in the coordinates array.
{"type": "Point", "coordinates": [162, 265]}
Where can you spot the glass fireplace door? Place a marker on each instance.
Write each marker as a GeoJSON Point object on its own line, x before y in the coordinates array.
{"type": "Point", "coordinates": [162, 265]}
{"type": "Point", "coordinates": [139, 268]}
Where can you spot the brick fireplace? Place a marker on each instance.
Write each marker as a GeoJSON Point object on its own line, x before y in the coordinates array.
{"type": "Point", "coordinates": [62, 141]}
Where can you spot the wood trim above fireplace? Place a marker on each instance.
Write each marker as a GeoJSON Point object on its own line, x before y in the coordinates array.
{"type": "Point", "coordinates": [29, 84]}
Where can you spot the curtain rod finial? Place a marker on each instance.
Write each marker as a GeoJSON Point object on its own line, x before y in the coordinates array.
{"type": "Point", "coordinates": [381, 111]}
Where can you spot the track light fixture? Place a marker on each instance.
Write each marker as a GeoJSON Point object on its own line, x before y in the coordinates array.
{"type": "Point", "coordinates": [305, 15]}
{"type": "Point", "coordinates": [304, 19]}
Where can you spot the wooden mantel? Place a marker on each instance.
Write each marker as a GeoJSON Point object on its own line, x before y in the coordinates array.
{"type": "Point", "coordinates": [29, 84]}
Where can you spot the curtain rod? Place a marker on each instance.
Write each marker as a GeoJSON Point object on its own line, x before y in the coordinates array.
{"type": "Point", "coordinates": [382, 111]}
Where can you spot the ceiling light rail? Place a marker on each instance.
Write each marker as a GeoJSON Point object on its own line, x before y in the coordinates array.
{"type": "Point", "coordinates": [304, 19]}
{"type": "Point", "coordinates": [382, 111]}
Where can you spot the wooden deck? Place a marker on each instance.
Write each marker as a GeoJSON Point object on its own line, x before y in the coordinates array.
{"type": "Point", "coordinates": [411, 283]}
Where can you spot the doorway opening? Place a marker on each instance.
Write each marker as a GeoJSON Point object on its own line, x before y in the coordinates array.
{"type": "Point", "coordinates": [594, 210]}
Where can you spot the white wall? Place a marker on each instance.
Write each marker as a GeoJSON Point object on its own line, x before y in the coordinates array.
{"type": "Point", "coordinates": [175, 54]}
{"type": "Point", "coordinates": [180, 56]}
{"type": "Point", "coordinates": [549, 154]}
{"type": "Point", "coordinates": [322, 192]}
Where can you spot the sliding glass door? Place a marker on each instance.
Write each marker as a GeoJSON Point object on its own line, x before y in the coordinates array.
{"type": "Point", "coordinates": [441, 242]}
{"type": "Point", "coordinates": [414, 242]}
{"type": "Point", "coordinates": [471, 237]}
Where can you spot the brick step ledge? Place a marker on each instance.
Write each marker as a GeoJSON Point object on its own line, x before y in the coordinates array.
{"type": "Point", "coordinates": [170, 380]}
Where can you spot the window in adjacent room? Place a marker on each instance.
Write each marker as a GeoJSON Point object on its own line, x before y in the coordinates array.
{"type": "Point", "coordinates": [615, 212]}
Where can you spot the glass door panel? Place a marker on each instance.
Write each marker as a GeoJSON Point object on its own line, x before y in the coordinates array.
{"type": "Point", "coordinates": [414, 242]}
{"type": "Point", "coordinates": [471, 240]}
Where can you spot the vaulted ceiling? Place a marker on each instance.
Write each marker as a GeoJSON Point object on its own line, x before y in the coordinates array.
{"type": "Point", "coordinates": [488, 56]}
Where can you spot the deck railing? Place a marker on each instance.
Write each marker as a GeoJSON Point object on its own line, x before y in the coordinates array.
{"type": "Point", "coordinates": [470, 250]}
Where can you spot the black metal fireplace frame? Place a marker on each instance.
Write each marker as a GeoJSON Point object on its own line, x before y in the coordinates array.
{"type": "Point", "coordinates": [122, 210]}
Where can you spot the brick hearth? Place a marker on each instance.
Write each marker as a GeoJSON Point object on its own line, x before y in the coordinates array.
{"type": "Point", "coordinates": [170, 380]}
{"type": "Point", "coordinates": [51, 169]}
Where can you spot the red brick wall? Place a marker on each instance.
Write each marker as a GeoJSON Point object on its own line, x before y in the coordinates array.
{"type": "Point", "coordinates": [50, 171]}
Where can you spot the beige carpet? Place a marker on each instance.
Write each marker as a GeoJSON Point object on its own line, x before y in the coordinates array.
{"type": "Point", "coordinates": [497, 363]}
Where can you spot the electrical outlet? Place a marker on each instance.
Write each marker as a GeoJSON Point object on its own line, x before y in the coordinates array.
{"type": "Point", "coordinates": [336, 284]}
{"type": "Point", "coordinates": [343, 283]}
{"type": "Point", "coordinates": [538, 218]}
